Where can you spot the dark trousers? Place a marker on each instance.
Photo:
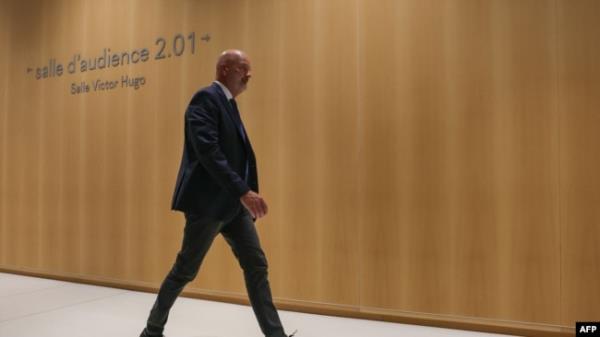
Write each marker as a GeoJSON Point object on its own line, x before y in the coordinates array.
{"type": "Point", "coordinates": [241, 235]}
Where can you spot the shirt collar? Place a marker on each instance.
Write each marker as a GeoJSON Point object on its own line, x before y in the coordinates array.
{"type": "Point", "coordinates": [225, 90]}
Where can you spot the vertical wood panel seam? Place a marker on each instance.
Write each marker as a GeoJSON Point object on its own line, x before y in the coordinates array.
{"type": "Point", "coordinates": [315, 123]}
{"type": "Point", "coordinates": [39, 188]}
{"type": "Point", "coordinates": [3, 173]}
{"type": "Point", "coordinates": [81, 188]}
{"type": "Point", "coordinates": [559, 157]}
{"type": "Point", "coordinates": [127, 165]}
{"type": "Point", "coordinates": [60, 196]}
{"type": "Point", "coordinates": [279, 123]}
{"type": "Point", "coordinates": [359, 142]}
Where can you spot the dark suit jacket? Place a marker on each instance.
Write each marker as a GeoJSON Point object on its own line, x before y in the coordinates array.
{"type": "Point", "coordinates": [212, 174]}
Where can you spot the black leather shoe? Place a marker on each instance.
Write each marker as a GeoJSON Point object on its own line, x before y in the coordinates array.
{"type": "Point", "coordinates": [145, 334]}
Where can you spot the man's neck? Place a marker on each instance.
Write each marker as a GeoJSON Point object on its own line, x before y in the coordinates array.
{"type": "Point", "coordinates": [225, 90]}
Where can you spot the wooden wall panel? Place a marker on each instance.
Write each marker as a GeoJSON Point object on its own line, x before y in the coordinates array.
{"type": "Point", "coordinates": [226, 34]}
{"type": "Point", "coordinates": [5, 60]}
{"type": "Point", "coordinates": [336, 94]}
{"type": "Point", "coordinates": [399, 109]}
{"type": "Point", "coordinates": [50, 107]}
{"type": "Point", "coordinates": [313, 125]}
{"type": "Point", "coordinates": [579, 96]}
{"type": "Point", "coordinates": [149, 257]}
{"type": "Point", "coordinates": [180, 79]}
{"type": "Point", "coordinates": [261, 108]}
{"type": "Point", "coordinates": [319, 160]}
{"type": "Point", "coordinates": [297, 212]}
{"type": "Point", "coordinates": [459, 115]}
{"type": "Point", "coordinates": [93, 155]}
{"type": "Point", "coordinates": [72, 146]}
{"type": "Point", "coordinates": [417, 156]}
{"type": "Point", "coordinates": [22, 146]}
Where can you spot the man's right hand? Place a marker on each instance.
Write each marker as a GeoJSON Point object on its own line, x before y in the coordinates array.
{"type": "Point", "coordinates": [255, 204]}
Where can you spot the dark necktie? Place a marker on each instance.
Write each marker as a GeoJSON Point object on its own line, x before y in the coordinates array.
{"type": "Point", "coordinates": [238, 121]}
{"type": "Point", "coordinates": [237, 118]}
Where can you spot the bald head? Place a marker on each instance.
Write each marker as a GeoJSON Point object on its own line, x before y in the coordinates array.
{"type": "Point", "coordinates": [233, 70]}
{"type": "Point", "coordinates": [229, 57]}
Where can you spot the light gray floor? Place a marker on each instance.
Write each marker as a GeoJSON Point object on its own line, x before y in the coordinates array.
{"type": "Point", "coordinates": [36, 307]}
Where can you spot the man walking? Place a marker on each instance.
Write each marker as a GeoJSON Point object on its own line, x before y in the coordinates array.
{"type": "Point", "coordinates": [217, 190]}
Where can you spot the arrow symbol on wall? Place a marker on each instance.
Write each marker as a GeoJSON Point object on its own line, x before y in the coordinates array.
{"type": "Point", "coordinates": [205, 37]}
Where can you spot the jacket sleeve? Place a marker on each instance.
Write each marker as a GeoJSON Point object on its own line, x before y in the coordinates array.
{"type": "Point", "coordinates": [202, 123]}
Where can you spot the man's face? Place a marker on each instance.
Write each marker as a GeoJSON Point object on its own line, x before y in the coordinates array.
{"type": "Point", "coordinates": [239, 75]}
